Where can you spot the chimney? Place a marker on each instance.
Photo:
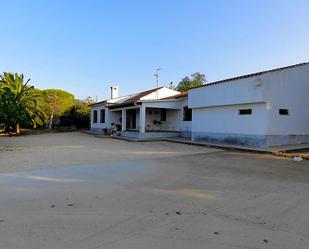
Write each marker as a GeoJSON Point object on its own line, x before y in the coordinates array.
{"type": "Point", "coordinates": [114, 92]}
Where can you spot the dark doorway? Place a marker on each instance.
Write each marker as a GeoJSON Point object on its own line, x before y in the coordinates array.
{"type": "Point", "coordinates": [131, 119]}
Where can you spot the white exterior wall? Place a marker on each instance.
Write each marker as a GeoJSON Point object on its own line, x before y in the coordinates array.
{"type": "Point", "coordinates": [173, 121]}
{"type": "Point", "coordinates": [288, 89]}
{"type": "Point", "coordinates": [113, 116]}
{"type": "Point", "coordinates": [223, 124]}
{"type": "Point", "coordinates": [215, 109]}
{"type": "Point", "coordinates": [174, 117]}
{"type": "Point", "coordinates": [229, 93]}
{"type": "Point", "coordinates": [227, 120]}
{"type": "Point", "coordinates": [160, 94]}
{"type": "Point", "coordinates": [215, 112]}
{"type": "Point", "coordinates": [98, 127]}
{"type": "Point", "coordinates": [149, 118]}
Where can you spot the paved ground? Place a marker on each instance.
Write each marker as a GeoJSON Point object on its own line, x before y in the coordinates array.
{"type": "Point", "coordinates": [147, 195]}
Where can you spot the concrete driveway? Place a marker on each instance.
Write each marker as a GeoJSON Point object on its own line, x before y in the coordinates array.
{"type": "Point", "coordinates": [209, 199]}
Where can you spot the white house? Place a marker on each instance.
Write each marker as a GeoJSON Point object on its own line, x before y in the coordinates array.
{"type": "Point", "coordinates": [159, 112]}
{"type": "Point", "coordinates": [261, 109]}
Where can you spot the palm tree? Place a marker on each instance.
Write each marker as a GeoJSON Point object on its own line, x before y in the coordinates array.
{"type": "Point", "coordinates": [26, 96]}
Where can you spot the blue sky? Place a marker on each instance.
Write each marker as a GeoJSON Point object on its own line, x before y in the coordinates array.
{"type": "Point", "coordinates": [85, 46]}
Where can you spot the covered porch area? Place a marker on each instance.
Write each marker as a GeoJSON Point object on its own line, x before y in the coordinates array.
{"type": "Point", "coordinates": [152, 119]}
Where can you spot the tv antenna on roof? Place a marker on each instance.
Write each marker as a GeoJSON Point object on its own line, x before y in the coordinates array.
{"type": "Point", "coordinates": [157, 76]}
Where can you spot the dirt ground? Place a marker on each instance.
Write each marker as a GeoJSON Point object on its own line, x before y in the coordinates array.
{"type": "Point", "coordinates": [73, 190]}
{"type": "Point", "coordinates": [304, 153]}
{"type": "Point", "coordinates": [75, 148]}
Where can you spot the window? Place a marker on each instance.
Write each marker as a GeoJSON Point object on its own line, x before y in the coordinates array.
{"type": "Point", "coordinates": [95, 116]}
{"type": "Point", "coordinates": [102, 116]}
{"type": "Point", "coordinates": [163, 114]}
{"type": "Point", "coordinates": [244, 111]}
{"type": "Point", "coordinates": [187, 114]}
{"type": "Point", "coordinates": [283, 112]}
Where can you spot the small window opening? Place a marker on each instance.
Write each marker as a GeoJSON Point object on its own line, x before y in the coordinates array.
{"type": "Point", "coordinates": [245, 111]}
{"type": "Point", "coordinates": [95, 116]}
{"type": "Point", "coordinates": [102, 116]}
{"type": "Point", "coordinates": [187, 113]}
{"type": "Point", "coordinates": [283, 112]}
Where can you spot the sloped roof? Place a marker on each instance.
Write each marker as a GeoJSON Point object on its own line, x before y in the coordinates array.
{"type": "Point", "coordinates": [252, 75]}
{"type": "Point", "coordinates": [178, 96]}
{"type": "Point", "coordinates": [98, 103]}
{"type": "Point", "coordinates": [138, 96]}
{"type": "Point", "coordinates": [127, 100]}
{"type": "Point", "coordinates": [133, 98]}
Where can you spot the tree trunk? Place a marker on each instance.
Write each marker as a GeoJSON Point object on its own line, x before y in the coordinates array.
{"type": "Point", "coordinates": [50, 126]}
{"type": "Point", "coordinates": [17, 129]}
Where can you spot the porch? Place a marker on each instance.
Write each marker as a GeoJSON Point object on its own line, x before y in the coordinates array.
{"type": "Point", "coordinates": [148, 120]}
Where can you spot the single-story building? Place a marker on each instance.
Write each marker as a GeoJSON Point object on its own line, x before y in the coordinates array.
{"type": "Point", "coordinates": [261, 109]}
{"type": "Point", "coordinates": [150, 114]}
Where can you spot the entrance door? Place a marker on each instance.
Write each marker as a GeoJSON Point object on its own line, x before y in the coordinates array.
{"type": "Point", "coordinates": [131, 119]}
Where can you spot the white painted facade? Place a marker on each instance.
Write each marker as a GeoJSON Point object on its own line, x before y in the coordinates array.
{"type": "Point", "coordinates": [99, 125]}
{"type": "Point", "coordinates": [174, 116]}
{"type": "Point", "coordinates": [215, 109]}
{"type": "Point", "coordinates": [147, 109]}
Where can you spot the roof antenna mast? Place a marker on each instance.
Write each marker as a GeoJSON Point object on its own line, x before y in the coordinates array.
{"type": "Point", "coordinates": [157, 76]}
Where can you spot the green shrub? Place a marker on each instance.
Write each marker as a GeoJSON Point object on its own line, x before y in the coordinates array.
{"type": "Point", "coordinates": [77, 115]}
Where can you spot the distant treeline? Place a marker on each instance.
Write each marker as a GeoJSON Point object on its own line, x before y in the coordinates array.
{"type": "Point", "coordinates": [22, 105]}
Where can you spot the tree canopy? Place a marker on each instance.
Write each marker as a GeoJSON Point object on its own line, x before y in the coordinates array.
{"type": "Point", "coordinates": [19, 95]}
{"type": "Point", "coordinates": [77, 115]}
{"type": "Point", "coordinates": [196, 79]}
{"type": "Point", "coordinates": [11, 113]}
{"type": "Point", "coordinates": [57, 101]}
{"type": "Point", "coordinates": [89, 100]}
{"type": "Point", "coordinates": [23, 105]}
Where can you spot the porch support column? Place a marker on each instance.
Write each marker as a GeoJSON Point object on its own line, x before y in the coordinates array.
{"type": "Point", "coordinates": [107, 118]}
{"type": "Point", "coordinates": [142, 119]}
{"type": "Point", "coordinates": [123, 120]}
